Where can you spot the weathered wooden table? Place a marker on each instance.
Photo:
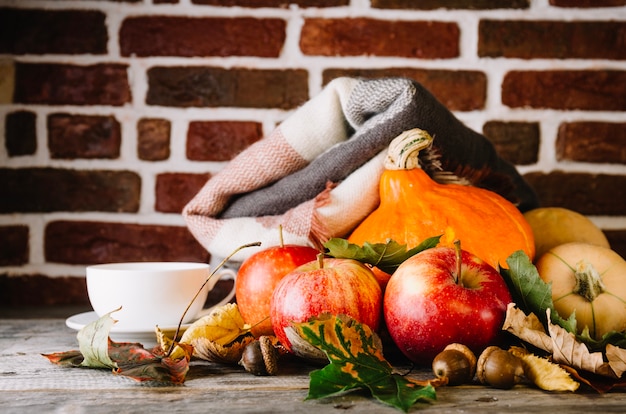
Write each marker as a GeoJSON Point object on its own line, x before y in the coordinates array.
{"type": "Point", "coordinates": [31, 384]}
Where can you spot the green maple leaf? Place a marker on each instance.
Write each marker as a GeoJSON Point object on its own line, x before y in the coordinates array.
{"type": "Point", "coordinates": [357, 362]}
{"type": "Point", "coordinates": [386, 256]}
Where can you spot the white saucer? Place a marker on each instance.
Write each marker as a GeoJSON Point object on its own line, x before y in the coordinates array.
{"type": "Point", "coordinates": [144, 336]}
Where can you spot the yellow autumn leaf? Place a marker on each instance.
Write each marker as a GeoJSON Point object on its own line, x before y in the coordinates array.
{"type": "Point", "coordinates": [213, 337]}
{"type": "Point", "coordinates": [547, 375]}
{"type": "Point", "coordinates": [222, 326]}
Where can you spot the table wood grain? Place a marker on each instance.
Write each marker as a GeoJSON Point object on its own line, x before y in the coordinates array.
{"type": "Point", "coordinates": [31, 384]}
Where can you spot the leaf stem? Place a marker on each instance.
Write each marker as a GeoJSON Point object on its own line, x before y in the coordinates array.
{"type": "Point", "coordinates": [219, 266]}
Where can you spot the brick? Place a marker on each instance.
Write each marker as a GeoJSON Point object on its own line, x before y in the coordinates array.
{"type": "Point", "coordinates": [153, 139]}
{"type": "Point", "coordinates": [90, 242]}
{"type": "Point", "coordinates": [30, 190]}
{"type": "Point", "coordinates": [83, 136]}
{"type": "Point", "coordinates": [42, 290]}
{"type": "Point", "coordinates": [187, 36]}
{"type": "Point", "coordinates": [68, 32]}
{"type": "Point", "coordinates": [64, 84]}
{"type": "Point", "coordinates": [20, 133]}
{"type": "Point", "coordinates": [273, 3]}
{"type": "Point", "coordinates": [587, 3]}
{"type": "Point", "coordinates": [457, 90]}
{"type": "Point", "coordinates": [7, 81]}
{"type": "Point", "coordinates": [599, 142]}
{"type": "Point", "coordinates": [589, 194]}
{"type": "Point", "coordinates": [220, 140]}
{"type": "Point", "coordinates": [175, 190]}
{"type": "Point", "coordinates": [363, 36]}
{"type": "Point", "coordinates": [451, 4]}
{"type": "Point", "coordinates": [552, 39]}
{"type": "Point", "coordinates": [601, 90]}
{"type": "Point", "coordinates": [617, 241]}
{"type": "Point", "coordinates": [182, 86]}
{"type": "Point", "coordinates": [14, 247]}
{"type": "Point", "coordinates": [516, 142]}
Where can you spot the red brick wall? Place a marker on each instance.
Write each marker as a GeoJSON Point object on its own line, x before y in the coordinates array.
{"type": "Point", "coordinates": [114, 113]}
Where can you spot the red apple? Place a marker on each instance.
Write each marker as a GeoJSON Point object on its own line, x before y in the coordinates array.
{"type": "Point", "coordinates": [334, 286]}
{"type": "Point", "coordinates": [258, 276]}
{"type": "Point", "coordinates": [433, 300]}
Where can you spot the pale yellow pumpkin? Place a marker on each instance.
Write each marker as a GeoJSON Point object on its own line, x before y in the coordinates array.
{"type": "Point", "coordinates": [589, 280]}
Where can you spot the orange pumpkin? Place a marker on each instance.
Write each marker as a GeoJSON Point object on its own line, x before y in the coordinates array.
{"type": "Point", "coordinates": [414, 207]}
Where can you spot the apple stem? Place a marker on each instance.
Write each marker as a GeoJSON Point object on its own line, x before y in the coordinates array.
{"type": "Point", "coordinates": [280, 235]}
{"type": "Point", "coordinates": [320, 260]}
{"type": "Point", "coordinates": [459, 260]}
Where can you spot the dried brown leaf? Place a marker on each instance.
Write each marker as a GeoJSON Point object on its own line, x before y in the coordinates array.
{"type": "Point", "coordinates": [527, 328]}
{"type": "Point", "coordinates": [570, 351]}
{"type": "Point", "coordinates": [565, 348]}
{"type": "Point", "coordinates": [599, 383]}
{"type": "Point", "coordinates": [212, 351]}
{"type": "Point", "coordinates": [617, 359]}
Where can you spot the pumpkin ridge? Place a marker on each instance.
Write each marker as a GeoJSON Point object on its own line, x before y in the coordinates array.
{"type": "Point", "coordinates": [613, 295]}
{"type": "Point", "coordinates": [593, 321]}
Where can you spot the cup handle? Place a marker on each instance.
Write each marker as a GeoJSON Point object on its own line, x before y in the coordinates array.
{"type": "Point", "coordinates": [227, 298]}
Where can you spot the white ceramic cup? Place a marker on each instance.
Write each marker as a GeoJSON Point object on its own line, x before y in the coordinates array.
{"type": "Point", "coordinates": [148, 294]}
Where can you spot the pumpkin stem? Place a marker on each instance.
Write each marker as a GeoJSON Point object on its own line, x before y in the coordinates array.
{"type": "Point", "coordinates": [588, 281]}
{"type": "Point", "coordinates": [404, 149]}
{"type": "Point", "coordinates": [459, 260]}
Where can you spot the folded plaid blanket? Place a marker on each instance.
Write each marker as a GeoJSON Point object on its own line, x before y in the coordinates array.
{"type": "Point", "coordinates": [317, 173]}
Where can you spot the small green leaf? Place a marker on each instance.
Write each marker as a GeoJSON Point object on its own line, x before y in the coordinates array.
{"type": "Point", "coordinates": [530, 293]}
{"type": "Point", "coordinates": [614, 338]}
{"type": "Point", "coordinates": [386, 256]}
{"type": "Point", "coordinates": [357, 362]}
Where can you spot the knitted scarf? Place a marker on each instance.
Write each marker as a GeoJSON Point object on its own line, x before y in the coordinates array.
{"type": "Point", "coordinates": [317, 173]}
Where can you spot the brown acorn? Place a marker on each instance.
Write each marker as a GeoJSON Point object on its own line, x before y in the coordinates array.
{"type": "Point", "coordinates": [457, 363]}
{"type": "Point", "coordinates": [260, 357]}
{"type": "Point", "coordinates": [499, 368]}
